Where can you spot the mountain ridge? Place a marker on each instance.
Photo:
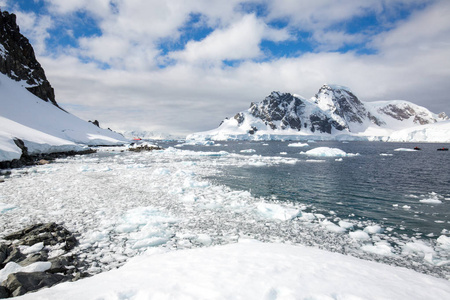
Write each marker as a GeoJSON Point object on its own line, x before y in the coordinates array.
{"type": "Point", "coordinates": [18, 60]}
{"type": "Point", "coordinates": [334, 111]}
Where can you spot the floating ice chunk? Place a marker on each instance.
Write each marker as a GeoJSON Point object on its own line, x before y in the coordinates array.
{"type": "Point", "coordinates": [345, 224]}
{"type": "Point", "coordinates": [32, 249]}
{"type": "Point", "coordinates": [405, 150]}
{"type": "Point", "coordinates": [150, 242]}
{"type": "Point", "coordinates": [406, 207]}
{"type": "Point", "coordinates": [13, 267]}
{"type": "Point", "coordinates": [359, 235]}
{"type": "Point", "coordinates": [320, 216]}
{"type": "Point", "coordinates": [328, 152]}
{"type": "Point", "coordinates": [417, 247]}
{"type": "Point", "coordinates": [373, 229]}
{"type": "Point", "coordinates": [433, 199]}
{"type": "Point", "coordinates": [191, 183]}
{"type": "Point", "coordinates": [161, 172]}
{"type": "Point", "coordinates": [379, 248]}
{"type": "Point", "coordinates": [277, 212]}
{"type": "Point", "coordinates": [316, 160]}
{"type": "Point", "coordinates": [257, 164]}
{"type": "Point", "coordinates": [6, 207]}
{"type": "Point", "coordinates": [386, 154]}
{"type": "Point", "coordinates": [339, 159]}
{"type": "Point", "coordinates": [204, 239]}
{"type": "Point", "coordinates": [330, 226]}
{"type": "Point", "coordinates": [443, 242]}
{"type": "Point", "coordinates": [283, 153]}
{"type": "Point", "coordinates": [307, 217]}
{"type": "Point", "coordinates": [248, 151]}
{"type": "Point", "coordinates": [298, 145]}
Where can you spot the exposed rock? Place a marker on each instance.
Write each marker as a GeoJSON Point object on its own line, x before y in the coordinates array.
{"type": "Point", "coordinates": [49, 234]}
{"type": "Point", "coordinates": [96, 123]}
{"type": "Point", "coordinates": [29, 160]}
{"type": "Point", "coordinates": [65, 267]}
{"type": "Point", "coordinates": [18, 60]}
{"type": "Point", "coordinates": [22, 283]}
{"type": "Point", "coordinates": [141, 148]}
{"type": "Point", "coordinates": [4, 292]}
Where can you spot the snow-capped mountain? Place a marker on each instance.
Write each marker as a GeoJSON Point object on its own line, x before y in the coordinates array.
{"type": "Point", "coordinates": [29, 113]}
{"type": "Point", "coordinates": [148, 135]}
{"type": "Point", "coordinates": [333, 113]}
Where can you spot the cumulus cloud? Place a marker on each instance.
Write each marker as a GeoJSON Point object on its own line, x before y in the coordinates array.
{"type": "Point", "coordinates": [238, 41]}
{"type": "Point", "coordinates": [123, 75]}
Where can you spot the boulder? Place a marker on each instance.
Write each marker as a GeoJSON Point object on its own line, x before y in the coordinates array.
{"type": "Point", "coordinates": [21, 283]}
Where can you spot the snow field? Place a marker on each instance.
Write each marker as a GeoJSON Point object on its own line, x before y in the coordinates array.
{"type": "Point", "coordinates": [251, 270]}
{"type": "Point", "coordinates": [123, 204]}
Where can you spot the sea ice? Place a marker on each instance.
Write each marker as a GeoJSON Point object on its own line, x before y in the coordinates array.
{"type": "Point", "coordinates": [359, 235]}
{"type": "Point", "coordinates": [276, 211]}
{"type": "Point", "coordinates": [328, 152]}
{"type": "Point", "coordinates": [4, 207]}
{"type": "Point", "coordinates": [248, 151]}
{"type": "Point", "coordinates": [380, 248]}
{"type": "Point", "coordinates": [345, 224]}
{"type": "Point", "coordinates": [373, 229]}
{"type": "Point", "coordinates": [444, 242]}
{"type": "Point", "coordinates": [298, 145]}
{"type": "Point", "coordinates": [433, 198]}
{"type": "Point", "coordinates": [405, 150]}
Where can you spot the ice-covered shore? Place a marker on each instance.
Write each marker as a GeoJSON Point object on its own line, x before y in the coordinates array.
{"type": "Point", "coordinates": [127, 205]}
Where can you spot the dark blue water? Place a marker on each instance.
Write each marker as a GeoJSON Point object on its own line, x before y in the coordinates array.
{"type": "Point", "coordinates": [384, 189]}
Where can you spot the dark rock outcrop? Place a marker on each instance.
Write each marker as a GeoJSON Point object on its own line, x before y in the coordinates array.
{"type": "Point", "coordinates": [65, 267]}
{"type": "Point", "coordinates": [18, 60]}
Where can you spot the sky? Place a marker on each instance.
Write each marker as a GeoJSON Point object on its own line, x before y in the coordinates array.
{"type": "Point", "coordinates": [179, 67]}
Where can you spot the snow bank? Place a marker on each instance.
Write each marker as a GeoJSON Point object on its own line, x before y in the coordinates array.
{"type": "Point", "coordinates": [42, 126]}
{"type": "Point", "coordinates": [251, 270]}
{"type": "Point", "coordinates": [328, 152]}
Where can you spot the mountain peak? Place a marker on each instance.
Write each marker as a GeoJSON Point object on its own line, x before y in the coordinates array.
{"type": "Point", "coordinates": [18, 60]}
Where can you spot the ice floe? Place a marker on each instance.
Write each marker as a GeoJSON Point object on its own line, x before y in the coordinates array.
{"type": "Point", "coordinates": [328, 152]}
{"type": "Point", "coordinates": [298, 145]}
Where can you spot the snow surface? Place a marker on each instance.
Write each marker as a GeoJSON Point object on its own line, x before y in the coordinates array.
{"type": "Point", "coordinates": [43, 127]}
{"type": "Point", "coordinates": [251, 270]}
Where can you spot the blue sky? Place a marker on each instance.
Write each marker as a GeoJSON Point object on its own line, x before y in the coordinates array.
{"type": "Point", "coordinates": [182, 66]}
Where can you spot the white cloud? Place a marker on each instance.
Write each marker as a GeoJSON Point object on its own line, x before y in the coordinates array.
{"type": "Point", "coordinates": [239, 41]}
{"type": "Point", "coordinates": [36, 27]}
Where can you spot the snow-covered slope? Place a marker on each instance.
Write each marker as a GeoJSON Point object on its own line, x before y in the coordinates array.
{"type": "Point", "coordinates": [333, 113]}
{"type": "Point", "coordinates": [251, 270]}
{"type": "Point", "coordinates": [42, 126]}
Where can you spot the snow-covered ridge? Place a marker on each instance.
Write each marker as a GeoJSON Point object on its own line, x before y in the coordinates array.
{"type": "Point", "coordinates": [334, 113]}
{"type": "Point", "coordinates": [42, 126]}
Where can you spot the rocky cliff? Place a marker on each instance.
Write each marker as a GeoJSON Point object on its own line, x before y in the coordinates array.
{"type": "Point", "coordinates": [18, 60]}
